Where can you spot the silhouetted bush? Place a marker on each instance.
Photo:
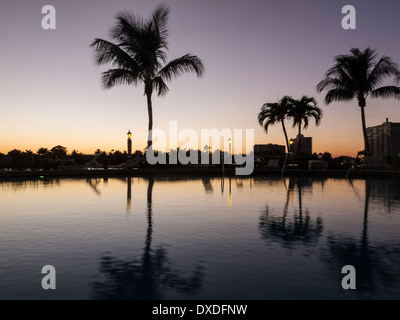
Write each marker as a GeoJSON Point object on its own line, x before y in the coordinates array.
{"type": "Point", "coordinates": [396, 164]}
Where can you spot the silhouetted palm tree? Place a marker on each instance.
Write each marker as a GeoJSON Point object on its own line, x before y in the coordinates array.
{"type": "Point", "coordinates": [59, 152]}
{"type": "Point", "coordinates": [272, 113]}
{"type": "Point", "coordinates": [301, 111]}
{"type": "Point", "coordinates": [358, 75]}
{"type": "Point", "coordinates": [44, 152]}
{"type": "Point", "coordinates": [139, 56]}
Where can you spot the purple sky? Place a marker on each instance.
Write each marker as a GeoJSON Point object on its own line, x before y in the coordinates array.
{"type": "Point", "coordinates": [254, 52]}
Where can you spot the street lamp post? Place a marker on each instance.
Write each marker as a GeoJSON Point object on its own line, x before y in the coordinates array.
{"type": "Point", "coordinates": [230, 149]}
{"type": "Point", "coordinates": [291, 142]}
{"type": "Point", "coordinates": [287, 154]}
{"type": "Point", "coordinates": [291, 145]}
{"type": "Point", "coordinates": [129, 134]}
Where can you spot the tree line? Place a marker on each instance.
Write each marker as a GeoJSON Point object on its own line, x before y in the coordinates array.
{"type": "Point", "coordinates": [57, 156]}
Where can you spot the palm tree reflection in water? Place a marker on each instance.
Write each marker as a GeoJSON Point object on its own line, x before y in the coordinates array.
{"type": "Point", "coordinates": [377, 262]}
{"type": "Point", "coordinates": [93, 184]}
{"type": "Point", "coordinates": [208, 188]}
{"type": "Point", "coordinates": [373, 262]}
{"type": "Point", "coordinates": [147, 278]}
{"type": "Point", "coordinates": [289, 232]}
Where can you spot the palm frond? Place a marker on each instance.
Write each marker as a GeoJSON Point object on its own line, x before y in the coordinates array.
{"type": "Point", "coordinates": [156, 30]}
{"type": "Point", "coordinates": [160, 86]}
{"type": "Point", "coordinates": [186, 63]}
{"type": "Point", "coordinates": [303, 109]}
{"type": "Point", "coordinates": [327, 83]}
{"type": "Point", "coordinates": [308, 101]}
{"type": "Point", "coordinates": [305, 122]}
{"type": "Point", "coordinates": [339, 95]}
{"type": "Point", "coordinates": [285, 101]}
{"type": "Point", "coordinates": [273, 113]}
{"type": "Point", "coordinates": [317, 114]}
{"type": "Point", "coordinates": [159, 20]}
{"type": "Point", "coordinates": [128, 28]}
{"type": "Point", "coordinates": [386, 92]}
{"type": "Point", "coordinates": [268, 123]}
{"type": "Point", "coordinates": [385, 67]}
{"type": "Point", "coordinates": [108, 52]}
{"type": "Point", "coordinates": [267, 113]}
{"type": "Point", "coordinates": [113, 77]}
{"type": "Point", "coordinates": [358, 74]}
{"type": "Point", "coordinates": [140, 40]}
{"type": "Point", "coordinates": [337, 77]}
{"type": "Point", "coordinates": [276, 111]}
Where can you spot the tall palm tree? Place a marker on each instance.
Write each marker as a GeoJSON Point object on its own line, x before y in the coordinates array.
{"type": "Point", "coordinates": [358, 75]}
{"type": "Point", "coordinates": [301, 111]}
{"type": "Point", "coordinates": [138, 55]}
{"type": "Point", "coordinates": [277, 112]}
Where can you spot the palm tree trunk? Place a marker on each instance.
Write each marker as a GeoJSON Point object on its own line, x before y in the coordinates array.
{"type": "Point", "coordinates": [150, 112]}
{"type": "Point", "coordinates": [284, 131]}
{"type": "Point", "coordinates": [299, 142]}
{"type": "Point", "coordinates": [364, 128]}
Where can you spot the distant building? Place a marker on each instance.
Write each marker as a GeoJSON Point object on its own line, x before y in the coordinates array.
{"type": "Point", "coordinates": [274, 149]}
{"type": "Point", "coordinates": [305, 145]}
{"type": "Point", "coordinates": [384, 139]}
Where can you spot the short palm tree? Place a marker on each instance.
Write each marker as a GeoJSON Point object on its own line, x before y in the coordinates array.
{"type": "Point", "coordinates": [138, 55]}
{"type": "Point", "coordinates": [358, 75]}
{"type": "Point", "coordinates": [300, 112]}
{"type": "Point", "coordinates": [273, 113]}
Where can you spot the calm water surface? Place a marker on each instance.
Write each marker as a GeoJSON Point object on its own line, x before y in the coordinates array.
{"type": "Point", "coordinates": [205, 238]}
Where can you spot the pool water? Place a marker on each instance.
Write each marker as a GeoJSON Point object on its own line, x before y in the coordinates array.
{"type": "Point", "coordinates": [200, 238]}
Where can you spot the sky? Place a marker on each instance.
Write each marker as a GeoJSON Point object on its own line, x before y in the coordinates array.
{"type": "Point", "coordinates": [253, 51]}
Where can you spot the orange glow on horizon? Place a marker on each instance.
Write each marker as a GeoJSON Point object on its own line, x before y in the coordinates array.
{"type": "Point", "coordinates": [337, 146]}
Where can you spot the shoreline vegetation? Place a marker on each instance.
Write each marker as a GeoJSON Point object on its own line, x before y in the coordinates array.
{"type": "Point", "coordinates": [57, 161]}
